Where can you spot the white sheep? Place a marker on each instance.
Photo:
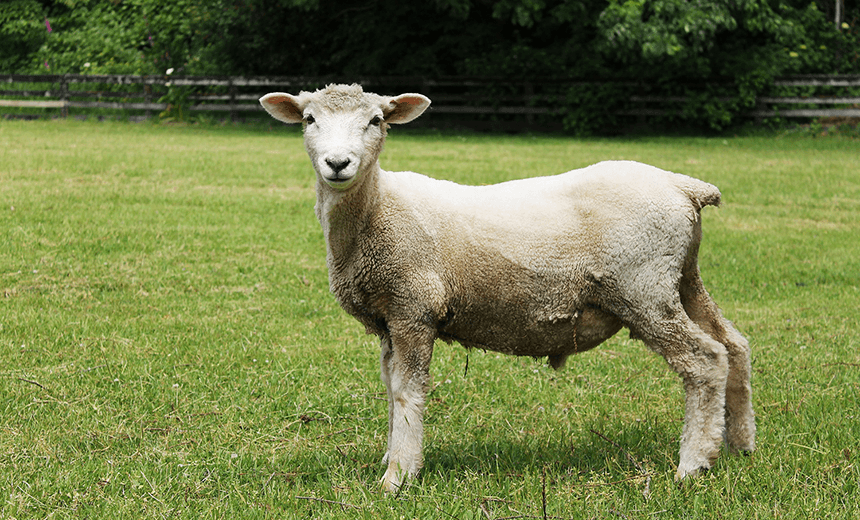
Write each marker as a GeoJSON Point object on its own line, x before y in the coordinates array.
{"type": "Point", "coordinates": [547, 266]}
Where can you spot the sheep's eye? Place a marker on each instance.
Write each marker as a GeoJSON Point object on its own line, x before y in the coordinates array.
{"type": "Point", "coordinates": [375, 121]}
{"type": "Point", "coordinates": [309, 119]}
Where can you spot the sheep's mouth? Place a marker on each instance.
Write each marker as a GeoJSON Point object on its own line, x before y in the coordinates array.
{"type": "Point", "coordinates": [339, 182]}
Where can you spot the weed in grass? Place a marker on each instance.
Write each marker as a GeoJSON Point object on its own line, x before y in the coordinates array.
{"type": "Point", "coordinates": [168, 345]}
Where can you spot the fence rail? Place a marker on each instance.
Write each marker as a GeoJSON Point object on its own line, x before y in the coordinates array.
{"type": "Point", "coordinates": [454, 97]}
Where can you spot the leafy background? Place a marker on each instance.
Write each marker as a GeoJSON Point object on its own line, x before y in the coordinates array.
{"type": "Point", "coordinates": [719, 54]}
{"type": "Point", "coordinates": [652, 39]}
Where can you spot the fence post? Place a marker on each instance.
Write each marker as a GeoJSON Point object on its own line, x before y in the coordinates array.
{"type": "Point", "coordinates": [425, 86]}
{"type": "Point", "coordinates": [64, 95]}
{"type": "Point", "coordinates": [529, 94]}
{"type": "Point", "coordinates": [147, 99]}
{"type": "Point", "coordinates": [760, 106]}
{"type": "Point", "coordinates": [232, 89]}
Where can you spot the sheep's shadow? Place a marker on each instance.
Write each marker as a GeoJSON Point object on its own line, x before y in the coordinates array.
{"type": "Point", "coordinates": [593, 449]}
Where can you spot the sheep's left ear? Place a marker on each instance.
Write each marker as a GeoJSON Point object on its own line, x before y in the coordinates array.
{"type": "Point", "coordinates": [405, 108]}
{"type": "Point", "coordinates": [284, 107]}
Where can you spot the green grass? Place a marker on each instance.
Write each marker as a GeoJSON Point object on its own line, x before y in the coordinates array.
{"type": "Point", "coordinates": [169, 347]}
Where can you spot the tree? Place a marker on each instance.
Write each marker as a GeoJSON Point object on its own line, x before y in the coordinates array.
{"type": "Point", "coordinates": [708, 38]}
{"type": "Point", "coordinates": [22, 32]}
{"type": "Point", "coordinates": [704, 50]}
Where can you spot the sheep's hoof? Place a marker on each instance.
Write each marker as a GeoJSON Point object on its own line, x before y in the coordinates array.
{"type": "Point", "coordinates": [746, 449]}
{"type": "Point", "coordinates": [392, 481]}
{"type": "Point", "coordinates": [396, 477]}
{"type": "Point", "coordinates": [683, 474]}
{"type": "Point", "coordinates": [389, 487]}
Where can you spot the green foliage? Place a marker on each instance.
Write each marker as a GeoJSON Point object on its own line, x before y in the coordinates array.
{"type": "Point", "coordinates": [170, 34]}
{"type": "Point", "coordinates": [818, 47]}
{"type": "Point", "coordinates": [88, 36]}
{"type": "Point", "coordinates": [670, 33]}
{"type": "Point", "coordinates": [657, 29]}
{"type": "Point", "coordinates": [524, 13]}
{"type": "Point", "coordinates": [94, 36]}
{"type": "Point", "coordinates": [176, 99]}
{"type": "Point", "coordinates": [590, 108]}
{"type": "Point", "coordinates": [21, 32]}
{"type": "Point", "coordinates": [559, 38]}
{"type": "Point", "coordinates": [734, 48]}
{"type": "Point", "coordinates": [674, 46]}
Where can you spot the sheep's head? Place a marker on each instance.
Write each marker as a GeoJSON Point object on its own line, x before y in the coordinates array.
{"type": "Point", "coordinates": [344, 126]}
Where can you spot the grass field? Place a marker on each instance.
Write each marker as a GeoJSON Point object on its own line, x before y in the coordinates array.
{"type": "Point", "coordinates": [169, 347]}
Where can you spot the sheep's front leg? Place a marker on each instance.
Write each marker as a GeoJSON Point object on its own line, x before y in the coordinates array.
{"type": "Point", "coordinates": [385, 355]}
{"type": "Point", "coordinates": [405, 362]}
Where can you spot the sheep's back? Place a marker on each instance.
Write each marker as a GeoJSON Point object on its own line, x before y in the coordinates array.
{"type": "Point", "coordinates": [550, 216]}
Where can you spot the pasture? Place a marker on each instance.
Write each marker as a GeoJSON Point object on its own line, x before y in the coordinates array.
{"type": "Point", "coordinates": [169, 347]}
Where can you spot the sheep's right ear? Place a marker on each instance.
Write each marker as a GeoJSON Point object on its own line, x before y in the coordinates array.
{"type": "Point", "coordinates": [284, 107]}
{"type": "Point", "coordinates": [405, 108]}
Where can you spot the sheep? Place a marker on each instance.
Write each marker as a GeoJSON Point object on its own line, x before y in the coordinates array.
{"type": "Point", "coordinates": [545, 267]}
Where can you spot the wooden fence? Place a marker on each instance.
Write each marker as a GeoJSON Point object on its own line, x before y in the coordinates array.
{"type": "Point", "coordinates": [458, 99]}
{"type": "Point", "coordinates": [851, 103]}
{"type": "Point", "coordinates": [838, 106]}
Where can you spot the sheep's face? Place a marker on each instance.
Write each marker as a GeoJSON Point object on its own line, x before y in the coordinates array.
{"type": "Point", "coordinates": [344, 127]}
{"type": "Point", "coordinates": [343, 142]}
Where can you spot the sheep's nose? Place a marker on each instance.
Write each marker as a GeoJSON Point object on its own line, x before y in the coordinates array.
{"type": "Point", "coordinates": [337, 165]}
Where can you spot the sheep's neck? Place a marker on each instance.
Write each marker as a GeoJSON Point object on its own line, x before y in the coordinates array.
{"type": "Point", "coordinates": [343, 216]}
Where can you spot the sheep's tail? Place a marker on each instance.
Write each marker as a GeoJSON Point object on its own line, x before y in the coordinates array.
{"type": "Point", "coordinates": [701, 193]}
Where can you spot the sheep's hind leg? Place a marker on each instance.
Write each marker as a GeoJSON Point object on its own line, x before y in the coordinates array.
{"type": "Point", "coordinates": [702, 363]}
{"type": "Point", "coordinates": [740, 419]}
{"type": "Point", "coordinates": [406, 370]}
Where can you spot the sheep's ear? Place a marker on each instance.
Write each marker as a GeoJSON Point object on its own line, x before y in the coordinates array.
{"type": "Point", "coordinates": [405, 108]}
{"type": "Point", "coordinates": [284, 107]}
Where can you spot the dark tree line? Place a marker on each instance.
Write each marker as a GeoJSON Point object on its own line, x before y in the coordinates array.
{"type": "Point", "coordinates": [554, 38]}
{"type": "Point", "coordinates": [664, 42]}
